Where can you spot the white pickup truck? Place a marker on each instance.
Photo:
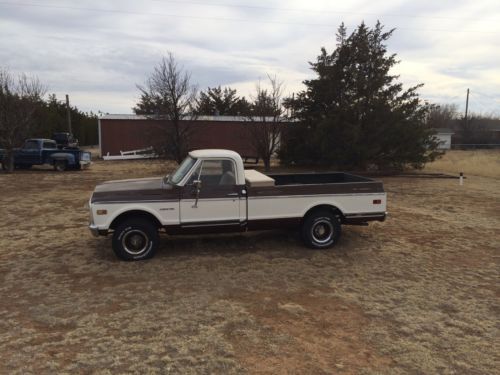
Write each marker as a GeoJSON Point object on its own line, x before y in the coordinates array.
{"type": "Point", "coordinates": [211, 192]}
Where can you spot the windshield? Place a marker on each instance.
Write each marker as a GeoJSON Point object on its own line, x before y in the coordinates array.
{"type": "Point", "coordinates": [184, 168]}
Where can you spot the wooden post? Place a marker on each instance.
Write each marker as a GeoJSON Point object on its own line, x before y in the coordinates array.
{"type": "Point", "coordinates": [68, 113]}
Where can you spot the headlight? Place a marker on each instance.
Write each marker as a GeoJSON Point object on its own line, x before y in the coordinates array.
{"type": "Point", "coordinates": [85, 156]}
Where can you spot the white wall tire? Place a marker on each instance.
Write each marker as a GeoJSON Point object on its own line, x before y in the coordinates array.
{"type": "Point", "coordinates": [135, 239]}
{"type": "Point", "coordinates": [321, 229]}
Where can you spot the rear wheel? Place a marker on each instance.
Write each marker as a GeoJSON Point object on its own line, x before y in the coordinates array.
{"type": "Point", "coordinates": [321, 229]}
{"type": "Point", "coordinates": [135, 239]}
{"type": "Point", "coordinates": [60, 165]}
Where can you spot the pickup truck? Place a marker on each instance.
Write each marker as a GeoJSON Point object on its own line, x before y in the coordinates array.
{"type": "Point", "coordinates": [211, 192]}
{"type": "Point", "coordinates": [38, 151]}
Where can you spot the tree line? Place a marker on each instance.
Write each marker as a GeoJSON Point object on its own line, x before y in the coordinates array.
{"type": "Point", "coordinates": [473, 130]}
{"type": "Point", "coordinates": [25, 113]}
{"type": "Point", "coordinates": [353, 114]}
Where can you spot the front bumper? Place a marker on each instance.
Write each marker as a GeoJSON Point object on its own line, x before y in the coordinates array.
{"type": "Point", "coordinates": [94, 230]}
{"type": "Point", "coordinates": [85, 164]}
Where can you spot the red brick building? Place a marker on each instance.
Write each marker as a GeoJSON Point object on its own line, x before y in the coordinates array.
{"type": "Point", "coordinates": [134, 132]}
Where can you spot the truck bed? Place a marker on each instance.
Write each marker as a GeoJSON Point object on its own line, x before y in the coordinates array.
{"type": "Point", "coordinates": [316, 178]}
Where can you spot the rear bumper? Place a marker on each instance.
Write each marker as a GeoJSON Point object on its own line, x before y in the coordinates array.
{"type": "Point", "coordinates": [363, 218]}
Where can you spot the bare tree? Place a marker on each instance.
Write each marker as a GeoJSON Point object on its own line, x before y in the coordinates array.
{"type": "Point", "coordinates": [267, 117]}
{"type": "Point", "coordinates": [169, 95]}
{"type": "Point", "coordinates": [19, 98]}
{"type": "Point", "coordinates": [442, 116]}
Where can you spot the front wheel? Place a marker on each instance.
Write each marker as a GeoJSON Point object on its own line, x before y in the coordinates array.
{"type": "Point", "coordinates": [321, 229]}
{"type": "Point", "coordinates": [135, 239]}
{"type": "Point", "coordinates": [60, 165]}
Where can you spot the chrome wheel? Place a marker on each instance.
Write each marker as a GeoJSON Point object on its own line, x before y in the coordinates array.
{"type": "Point", "coordinates": [322, 231]}
{"type": "Point", "coordinates": [135, 242]}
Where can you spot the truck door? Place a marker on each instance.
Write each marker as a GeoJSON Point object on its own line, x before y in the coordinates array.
{"type": "Point", "coordinates": [211, 197]}
{"type": "Point", "coordinates": [30, 153]}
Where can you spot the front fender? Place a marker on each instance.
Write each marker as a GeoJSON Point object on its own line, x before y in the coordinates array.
{"type": "Point", "coordinates": [69, 158]}
{"type": "Point", "coordinates": [104, 222]}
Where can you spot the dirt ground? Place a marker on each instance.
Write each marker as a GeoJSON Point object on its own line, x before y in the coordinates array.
{"type": "Point", "coordinates": [417, 294]}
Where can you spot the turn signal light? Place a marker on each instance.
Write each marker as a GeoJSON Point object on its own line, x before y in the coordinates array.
{"type": "Point", "coordinates": [377, 201]}
{"type": "Point", "coordinates": [102, 212]}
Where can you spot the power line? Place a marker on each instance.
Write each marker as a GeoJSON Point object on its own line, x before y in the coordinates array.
{"type": "Point", "coordinates": [239, 20]}
{"type": "Point", "coordinates": [304, 10]}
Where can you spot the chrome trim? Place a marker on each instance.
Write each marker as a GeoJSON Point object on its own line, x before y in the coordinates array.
{"type": "Point", "coordinates": [137, 201]}
{"type": "Point", "coordinates": [135, 232]}
{"type": "Point", "coordinates": [94, 230]}
{"type": "Point", "coordinates": [365, 214]}
{"type": "Point", "coordinates": [210, 224]}
{"type": "Point", "coordinates": [313, 195]}
{"type": "Point", "coordinates": [315, 236]}
{"type": "Point", "coordinates": [230, 198]}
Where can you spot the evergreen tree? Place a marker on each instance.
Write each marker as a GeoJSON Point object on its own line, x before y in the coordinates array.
{"type": "Point", "coordinates": [51, 117]}
{"type": "Point", "coordinates": [222, 102]}
{"type": "Point", "coordinates": [355, 114]}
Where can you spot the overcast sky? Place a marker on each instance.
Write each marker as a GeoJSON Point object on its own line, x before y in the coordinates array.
{"type": "Point", "coordinates": [97, 51]}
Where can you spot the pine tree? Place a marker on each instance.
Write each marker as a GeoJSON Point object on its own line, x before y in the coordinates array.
{"type": "Point", "coordinates": [355, 114]}
{"type": "Point", "coordinates": [221, 102]}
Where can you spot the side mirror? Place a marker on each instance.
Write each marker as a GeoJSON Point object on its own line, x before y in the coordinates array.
{"type": "Point", "coordinates": [197, 185]}
{"type": "Point", "coordinates": [196, 190]}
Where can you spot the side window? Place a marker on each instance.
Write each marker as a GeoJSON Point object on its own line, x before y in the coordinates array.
{"type": "Point", "coordinates": [194, 176]}
{"type": "Point", "coordinates": [49, 145]}
{"type": "Point", "coordinates": [217, 173]}
{"type": "Point", "coordinates": [30, 145]}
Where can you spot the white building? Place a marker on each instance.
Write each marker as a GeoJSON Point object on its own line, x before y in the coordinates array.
{"type": "Point", "coordinates": [443, 135]}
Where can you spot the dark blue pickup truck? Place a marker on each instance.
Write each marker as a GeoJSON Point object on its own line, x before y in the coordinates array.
{"type": "Point", "coordinates": [44, 151]}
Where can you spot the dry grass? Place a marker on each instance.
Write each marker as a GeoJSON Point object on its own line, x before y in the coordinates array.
{"type": "Point", "coordinates": [416, 294]}
{"type": "Point", "coordinates": [484, 163]}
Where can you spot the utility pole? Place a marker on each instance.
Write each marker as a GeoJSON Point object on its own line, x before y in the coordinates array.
{"type": "Point", "coordinates": [466, 108]}
{"type": "Point", "coordinates": [68, 113]}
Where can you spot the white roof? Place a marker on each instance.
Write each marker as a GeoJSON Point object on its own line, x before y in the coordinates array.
{"type": "Point", "coordinates": [214, 153]}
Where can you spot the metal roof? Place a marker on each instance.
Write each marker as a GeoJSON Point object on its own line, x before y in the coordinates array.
{"type": "Point", "coordinates": [444, 131]}
{"type": "Point", "coordinates": [197, 118]}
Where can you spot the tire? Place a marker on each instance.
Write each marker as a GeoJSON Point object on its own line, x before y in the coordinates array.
{"type": "Point", "coordinates": [60, 165]}
{"type": "Point", "coordinates": [135, 239]}
{"type": "Point", "coordinates": [321, 229]}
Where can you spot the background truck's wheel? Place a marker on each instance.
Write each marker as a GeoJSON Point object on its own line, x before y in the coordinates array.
{"type": "Point", "coordinates": [60, 165]}
{"type": "Point", "coordinates": [135, 239]}
{"type": "Point", "coordinates": [321, 229]}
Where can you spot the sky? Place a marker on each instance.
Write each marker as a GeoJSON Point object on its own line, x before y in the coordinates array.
{"type": "Point", "coordinates": [97, 51]}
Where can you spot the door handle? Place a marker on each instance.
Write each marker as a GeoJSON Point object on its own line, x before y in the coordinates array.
{"type": "Point", "coordinates": [232, 195]}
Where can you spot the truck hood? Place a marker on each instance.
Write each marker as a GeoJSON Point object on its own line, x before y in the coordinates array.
{"type": "Point", "coordinates": [136, 190]}
{"type": "Point", "coordinates": [129, 185]}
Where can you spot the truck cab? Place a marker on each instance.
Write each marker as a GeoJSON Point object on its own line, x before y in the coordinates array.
{"type": "Point", "coordinates": [211, 192]}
